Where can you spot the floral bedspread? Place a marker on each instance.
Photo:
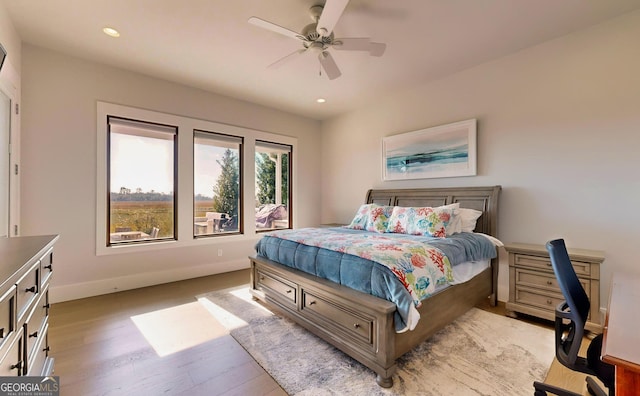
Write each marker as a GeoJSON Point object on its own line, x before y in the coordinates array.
{"type": "Point", "coordinates": [419, 266]}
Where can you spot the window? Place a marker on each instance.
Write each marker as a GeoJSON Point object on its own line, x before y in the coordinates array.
{"type": "Point", "coordinates": [273, 199]}
{"type": "Point", "coordinates": [217, 179]}
{"type": "Point", "coordinates": [168, 181]}
{"type": "Point", "coordinates": [141, 181]}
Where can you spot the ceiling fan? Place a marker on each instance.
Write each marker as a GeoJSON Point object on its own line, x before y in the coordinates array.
{"type": "Point", "coordinates": [318, 37]}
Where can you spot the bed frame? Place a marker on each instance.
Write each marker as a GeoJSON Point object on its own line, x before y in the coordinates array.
{"type": "Point", "coordinates": [360, 324]}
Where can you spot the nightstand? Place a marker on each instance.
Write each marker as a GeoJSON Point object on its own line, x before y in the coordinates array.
{"type": "Point", "coordinates": [534, 290]}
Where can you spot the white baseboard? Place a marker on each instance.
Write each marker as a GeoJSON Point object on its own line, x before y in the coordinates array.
{"type": "Point", "coordinates": [112, 285]}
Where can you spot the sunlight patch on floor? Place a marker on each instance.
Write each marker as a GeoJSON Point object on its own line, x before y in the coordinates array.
{"type": "Point", "coordinates": [226, 318]}
{"type": "Point", "coordinates": [178, 328]}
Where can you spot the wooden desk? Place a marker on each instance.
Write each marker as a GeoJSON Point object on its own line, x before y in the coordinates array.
{"type": "Point", "coordinates": [621, 344]}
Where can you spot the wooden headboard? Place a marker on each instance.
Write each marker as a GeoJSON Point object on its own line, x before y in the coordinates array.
{"type": "Point", "coordinates": [484, 199]}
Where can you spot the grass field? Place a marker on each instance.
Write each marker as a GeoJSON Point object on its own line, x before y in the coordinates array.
{"type": "Point", "coordinates": [144, 215]}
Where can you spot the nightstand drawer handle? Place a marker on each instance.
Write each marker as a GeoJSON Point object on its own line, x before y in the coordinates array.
{"type": "Point", "coordinates": [289, 291]}
{"type": "Point", "coordinates": [549, 302]}
{"type": "Point", "coordinates": [356, 325]}
{"type": "Point", "coordinates": [312, 302]}
{"type": "Point", "coordinates": [549, 283]}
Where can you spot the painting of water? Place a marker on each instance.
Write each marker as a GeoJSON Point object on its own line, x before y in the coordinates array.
{"type": "Point", "coordinates": [442, 151]}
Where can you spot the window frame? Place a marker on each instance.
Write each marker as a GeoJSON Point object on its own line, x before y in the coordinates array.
{"type": "Point", "coordinates": [265, 144]}
{"type": "Point", "coordinates": [185, 177]}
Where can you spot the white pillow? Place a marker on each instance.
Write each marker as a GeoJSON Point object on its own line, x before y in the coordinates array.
{"type": "Point", "coordinates": [468, 218]}
{"type": "Point", "coordinates": [455, 224]}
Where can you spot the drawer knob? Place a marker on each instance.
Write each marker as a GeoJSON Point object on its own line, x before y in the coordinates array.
{"type": "Point", "coordinates": [549, 302]}
{"type": "Point", "coordinates": [549, 283]}
{"type": "Point", "coordinates": [17, 365]}
{"type": "Point", "coordinates": [261, 278]}
{"type": "Point", "coordinates": [289, 291]}
{"type": "Point", "coordinates": [45, 349]}
{"type": "Point", "coordinates": [312, 302]}
{"type": "Point", "coordinates": [31, 289]}
{"type": "Point", "coordinates": [46, 306]}
{"type": "Point", "coordinates": [34, 334]}
{"type": "Point", "coordinates": [356, 325]}
{"type": "Point", "coordinates": [49, 267]}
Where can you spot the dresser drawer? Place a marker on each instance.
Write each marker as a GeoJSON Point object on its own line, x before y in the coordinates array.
{"type": "Point", "coordinates": [7, 315]}
{"type": "Point", "coordinates": [353, 324]}
{"type": "Point", "coordinates": [37, 358]}
{"type": "Point", "coordinates": [544, 281]}
{"type": "Point", "coordinates": [36, 323]}
{"type": "Point", "coordinates": [27, 290]}
{"type": "Point", "coordinates": [11, 362]}
{"type": "Point", "coordinates": [46, 268]}
{"type": "Point", "coordinates": [544, 263]}
{"type": "Point", "coordinates": [281, 287]}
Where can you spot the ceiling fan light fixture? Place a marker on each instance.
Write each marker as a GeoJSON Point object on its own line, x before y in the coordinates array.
{"type": "Point", "coordinates": [109, 31]}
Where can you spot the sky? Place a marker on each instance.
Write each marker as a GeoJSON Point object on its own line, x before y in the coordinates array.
{"type": "Point", "coordinates": [147, 163]}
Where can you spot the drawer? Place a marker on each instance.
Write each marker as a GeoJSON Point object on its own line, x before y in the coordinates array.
{"type": "Point", "coordinates": [11, 363]}
{"type": "Point", "coordinates": [544, 280]}
{"type": "Point", "coordinates": [359, 327]}
{"type": "Point", "coordinates": [538, 298]}
{"type": "Point", "coordinates": [27, 290]}
{"type": "Point", "coordinates": [280, 286]}
{"type": "Point", "coordinates": [544, 263]}
{"type": "Point", "coordinates": [36, 323]}
{"type": "Point", "coordinates": [7, 315]}
{"type": "Point", "coordinates": [37, 358]}
{"type": "Point", "coordinates": [46, 268]}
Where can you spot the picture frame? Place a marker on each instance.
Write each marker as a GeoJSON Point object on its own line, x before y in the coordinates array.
{"type": "Point", "coordinates": [442, 151]}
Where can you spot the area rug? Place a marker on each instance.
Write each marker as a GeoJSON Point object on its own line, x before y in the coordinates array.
{"type": "Point", "coordinates": [481, 353]}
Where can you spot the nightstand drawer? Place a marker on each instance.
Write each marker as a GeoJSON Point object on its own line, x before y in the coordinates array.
{"type": "Point", "coordinates": [538, 298]}
{"type": "Point", "coordinates": [542, 280]}
{"type": "Point", "coordinates": [544, 263]}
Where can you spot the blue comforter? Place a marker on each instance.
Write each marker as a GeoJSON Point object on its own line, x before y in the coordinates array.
{"type": "Point", "coordinates": [368, 276]}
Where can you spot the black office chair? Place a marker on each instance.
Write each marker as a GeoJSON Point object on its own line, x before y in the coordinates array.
{"type": "Point", "coordinates": [571, 316]}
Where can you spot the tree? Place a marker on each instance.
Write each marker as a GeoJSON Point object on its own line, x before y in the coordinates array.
{"type": "Point", "coordinates": [266, 178]}
{"type": "Point", "coordinates": [226, 190]}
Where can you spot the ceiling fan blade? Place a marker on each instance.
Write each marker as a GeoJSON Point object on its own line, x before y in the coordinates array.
{"type": "Point", "coordinates": [329, 65]}
{"type": "Point", "coordinates": [275, 28]}
{"type": "Point", "coordinates": [331, 12]}
{"type": "Point", "coordinates": [286, 58]}
{"type": "Point", "coordinates": [352, 44]}
{"type": "Point", "coordinates": [377, 49]}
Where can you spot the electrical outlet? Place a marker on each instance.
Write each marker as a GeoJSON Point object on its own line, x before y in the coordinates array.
{"type": "Point", "coordinates": [219, 252]}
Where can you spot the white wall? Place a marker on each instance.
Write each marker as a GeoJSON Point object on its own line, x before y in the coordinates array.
{"type": "Point", "coordinates": [558, 128]}
{"type": "Point", "coordinates": [59, 169]}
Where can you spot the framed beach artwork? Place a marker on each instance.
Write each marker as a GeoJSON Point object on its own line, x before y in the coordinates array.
{"type": "Point", "coordinates": [441, 151]}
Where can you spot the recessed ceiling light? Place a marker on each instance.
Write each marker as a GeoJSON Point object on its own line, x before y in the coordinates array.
{"type": "Point", "coordinates": [111, 32]}
{"type": "Point", "coordinates": [321, 100]}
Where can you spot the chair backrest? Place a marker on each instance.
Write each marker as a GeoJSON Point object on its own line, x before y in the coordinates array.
{"type": "Point", "coordinates": [575, 310]}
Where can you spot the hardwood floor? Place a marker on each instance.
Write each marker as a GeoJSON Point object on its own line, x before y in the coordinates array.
{"type": "Point", "coordinates": [153, 341]}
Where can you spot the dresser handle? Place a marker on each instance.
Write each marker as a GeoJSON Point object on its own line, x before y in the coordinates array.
{"type": "Point", "coordinates": [46, 306]}
{"type": "Point", "coordinates": [31, 289]}
{"type": "Point", "coordinates": [549, 283]}
{"type": "Point", "coordinates": [49, 267]}
{"type": "Point", "coordinates": [45, 349]}
{"type": "Point", "coordinates": [34, 334]}
{"type": "Point", "coordinates": [261, 278]}
{"type": "Point", "coordinates": [17, 365]}
{"type": "Point", "coordinates": [549, 302]}
{"type": "Point", "coordinates": [289, 291]}
{"type": "Point", "coordinates": [2, 332]}
{"type": "Point", "coordinates": [356, 325]}
{"type": "Point", "coordinates": [312, 302]}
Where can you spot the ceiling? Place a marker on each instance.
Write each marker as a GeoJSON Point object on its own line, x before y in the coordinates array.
{"type": "Point", "coordinates": [208, 44]}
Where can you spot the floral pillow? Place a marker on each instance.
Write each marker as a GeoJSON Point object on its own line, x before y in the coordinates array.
{"type": "Point", "coordinates": [420, 221]}
{"type": "Point", "coordinates": [371, 217]}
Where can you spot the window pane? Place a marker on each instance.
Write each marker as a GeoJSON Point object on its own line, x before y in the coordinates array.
{"type": "Point", "coordinates": [216, 171]}
{"type": "Point", "coordinates": [273, 162]}
{"type": "Point", "coordinates": [141, 181]}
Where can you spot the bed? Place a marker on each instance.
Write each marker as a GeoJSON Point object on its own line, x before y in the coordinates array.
{"type": "Point", "coordinates": [363, 325]}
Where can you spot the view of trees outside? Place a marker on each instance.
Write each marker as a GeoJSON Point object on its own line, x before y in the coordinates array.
{"type": "Point", "coordinates": [226, 191]}
{"type": "Point", "coordinates": [266, 178]}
